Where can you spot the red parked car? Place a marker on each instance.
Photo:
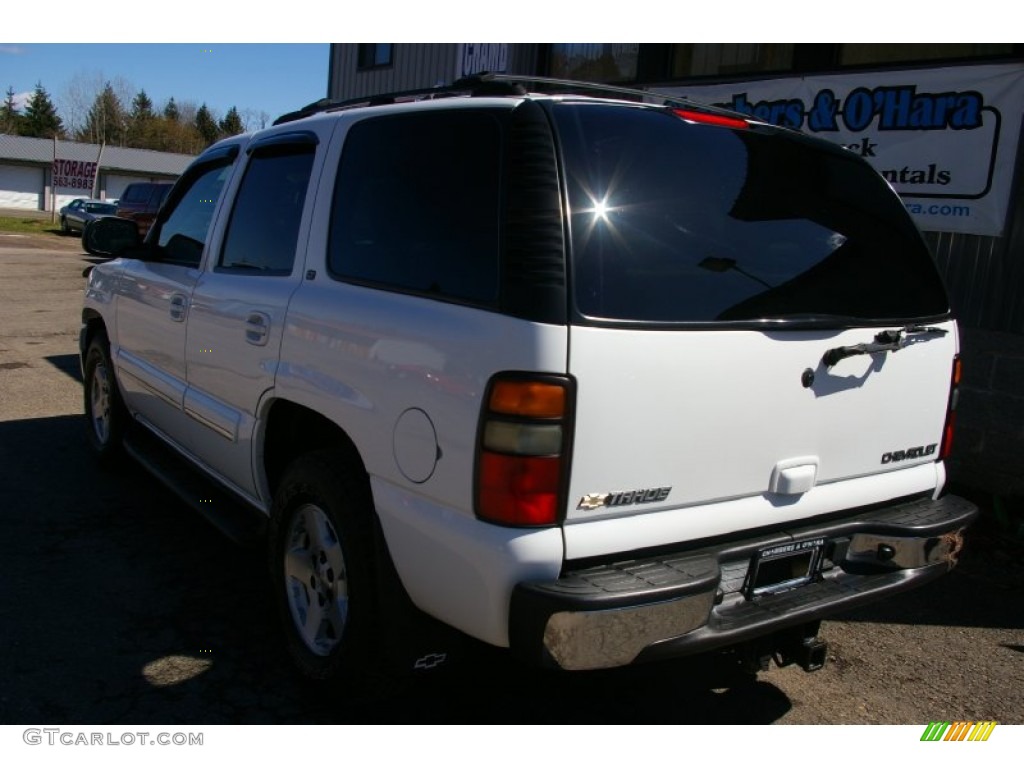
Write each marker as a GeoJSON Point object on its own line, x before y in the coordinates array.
{"type": "Point", "coordinates": [141, 201]}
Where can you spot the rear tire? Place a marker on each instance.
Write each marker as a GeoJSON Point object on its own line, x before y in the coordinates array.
{"type": "Point", "coordinates": [320, 553]}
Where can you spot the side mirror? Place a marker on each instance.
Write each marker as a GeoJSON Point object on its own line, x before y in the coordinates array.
{"type": "Point", "coordinates": [110, 236]}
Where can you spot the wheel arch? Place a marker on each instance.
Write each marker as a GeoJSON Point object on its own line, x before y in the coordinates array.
{"type": "Point", "coordinates": [92, 321]}
{"type": "Point", "coordinates": [92, 324]}
{"type": "Point", "coordinates": [291, 430]}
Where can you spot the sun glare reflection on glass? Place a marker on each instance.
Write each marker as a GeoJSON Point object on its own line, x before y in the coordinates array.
{"type": "Point", "coordinates": [600, 209]}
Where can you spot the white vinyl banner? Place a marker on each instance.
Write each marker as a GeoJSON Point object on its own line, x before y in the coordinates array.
{"type": "Point", "coordinates": [945, 139]}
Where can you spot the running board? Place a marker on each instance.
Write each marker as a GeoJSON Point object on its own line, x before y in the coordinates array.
{"type": "Point", "coordinates": [240, 522]}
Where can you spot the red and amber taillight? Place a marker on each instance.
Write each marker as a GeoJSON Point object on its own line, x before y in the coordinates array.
{"type": "Point", "coordinates": [523, 449]}
{"type": "Point", "coordinates": [954, 395]}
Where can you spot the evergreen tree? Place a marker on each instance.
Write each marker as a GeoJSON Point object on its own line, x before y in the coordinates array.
{"type": "Point", "coordinates": [106, 121]}
{"type": "Point", "coordinates": [206, 125]}
{"type": "Point", "coordinates": [231, 125]}
{"type": "Point", "coordinates": [141, 122]}
{"type": "Point", "coordinates": [9, 115]}
{"type": "Point", "coordinates": [41, 119]}
{"type": "Point", "coordinates": [142, 106]}
{"type": "Point", "coordinates": [171, 110]}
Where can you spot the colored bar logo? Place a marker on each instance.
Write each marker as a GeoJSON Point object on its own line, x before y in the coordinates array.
{"type": "Point", "coordinates": [959, 731]}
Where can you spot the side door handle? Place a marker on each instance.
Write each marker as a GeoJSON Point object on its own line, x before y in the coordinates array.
{"type": "Point", "coordinates": [257, 328]}
{"type": "Point", "coordinates": [179, 303]}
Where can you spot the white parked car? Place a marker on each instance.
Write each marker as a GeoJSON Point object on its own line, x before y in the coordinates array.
{"type": "Point", "coordinates": [597, 380]}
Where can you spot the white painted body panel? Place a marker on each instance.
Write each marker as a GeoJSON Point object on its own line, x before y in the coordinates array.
{"type": "Point", "coordinates": [363, 357]}
{"type": "Point", "coordinates": [713, 414]}
{"type": "Point", "coordinates": [681, 525]}
{"type": "Point", "coordinates": [458, 569]}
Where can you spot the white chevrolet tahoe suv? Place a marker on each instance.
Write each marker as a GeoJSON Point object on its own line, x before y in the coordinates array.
{"type": "Point", "coordinates": [598, 380]}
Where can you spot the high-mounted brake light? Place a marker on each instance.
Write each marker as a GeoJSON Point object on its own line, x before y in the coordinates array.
{"type": "Point", "coordinates": [709, 118]}
{"type": "Point", "coordinates": [522, 452]}
{"type": "Point", "coordinates": [954, 396]}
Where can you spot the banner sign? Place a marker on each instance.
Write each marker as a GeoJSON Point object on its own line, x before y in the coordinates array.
{"type": "Point", "coordinates": [73, 174]}
{"type": "Point", "coordinates": [945, 139]}
{"type": "Point", "coordinates": [473, 58]}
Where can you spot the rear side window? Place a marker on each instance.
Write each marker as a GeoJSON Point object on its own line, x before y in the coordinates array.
{"type": "Point", "coordinates": [417, 206]}
{"type": "Point", "coordinates": [263, 230]}
{"type": "Point", "coordinates": [674, 222]}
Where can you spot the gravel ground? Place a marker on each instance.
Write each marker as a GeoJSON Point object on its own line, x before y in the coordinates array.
{"type": "Point", "coordinates": [119, 606]}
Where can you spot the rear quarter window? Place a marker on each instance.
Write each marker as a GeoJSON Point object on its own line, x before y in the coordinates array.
{"type": "Point", "coordinates": [417, 205]}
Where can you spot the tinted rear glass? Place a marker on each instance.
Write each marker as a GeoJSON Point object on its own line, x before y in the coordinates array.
{"type": "Point", "coordinates": [683, 223]}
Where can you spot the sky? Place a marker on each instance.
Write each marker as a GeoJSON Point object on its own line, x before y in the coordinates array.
{"type": "Point", "coordinates": [271, 78]}
{"type": "Point", "coordinates": [277, 77]}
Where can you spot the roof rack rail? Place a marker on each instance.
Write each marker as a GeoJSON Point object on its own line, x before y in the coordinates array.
{"type": "Point", "coordinates": [488, 84]}
{"type": "Point", "coordinates": [475, 85]}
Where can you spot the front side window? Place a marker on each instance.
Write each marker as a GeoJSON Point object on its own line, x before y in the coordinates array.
{"type": "Point", "coordinates": [264, 227]}
{"type": "Point", "coordinates": [417, 205]}
{"type": "Point", "coordinates": [677, 222]}
{"type": "Point", "coordinates": [184, 228]}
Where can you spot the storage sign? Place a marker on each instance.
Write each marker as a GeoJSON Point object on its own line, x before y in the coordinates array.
{"type": "Point", "coordinates": [73, 174]}
{"type": "Point", "coordinates": [945, 139]}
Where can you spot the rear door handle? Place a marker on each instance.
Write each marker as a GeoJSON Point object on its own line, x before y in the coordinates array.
{"type": "Point", "coordinates": [257, 328]}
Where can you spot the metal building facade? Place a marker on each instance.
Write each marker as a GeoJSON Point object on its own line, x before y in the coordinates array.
{"type": "Point", "coordinates": [413, 65]}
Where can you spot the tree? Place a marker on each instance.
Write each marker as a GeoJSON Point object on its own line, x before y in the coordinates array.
{"type": "Point", "coordinates": [106, 121]}
{"type": "Point", "coordinates": [142, 106]}
{"type": "Point", "coordinates": [141, 122]}
{"type": "Point", "coordinates": [254, 120]}
{"type": "Point", "coordinates": [80, 95]}
{"type": "Point", "coordinates": [41, 119]}
{"type": "Point", "coordinates": [10, 118]}
{"type": "Point", "coordinates": [206, 125]}
{"type": "Point", "coordinates": [171, 110]}
{"type": "Point", "coordinates": [231, 125]}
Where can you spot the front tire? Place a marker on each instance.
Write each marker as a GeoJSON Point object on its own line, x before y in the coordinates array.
{"type": "Point", "coordinates": [321, 569]}
{"type": "Point", "coordinates": [64, 230]}
{"type": "Point", "coordinates": [104, 408]}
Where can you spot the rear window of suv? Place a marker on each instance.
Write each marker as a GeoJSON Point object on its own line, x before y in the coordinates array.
{"type": "Point", "coordinates": [677, 222]}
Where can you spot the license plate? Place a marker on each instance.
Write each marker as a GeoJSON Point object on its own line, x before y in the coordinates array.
{"type": "Point", "coordinates": [782, 567]}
